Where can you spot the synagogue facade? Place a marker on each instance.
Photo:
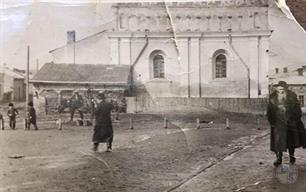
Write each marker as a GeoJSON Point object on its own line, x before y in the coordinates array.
{"type": "Point", "coordinates": [191, 49]}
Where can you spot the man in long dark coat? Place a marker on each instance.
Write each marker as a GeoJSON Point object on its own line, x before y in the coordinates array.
{"type": "Point", "coordinates": [103, 129]}
{"type": "Point", "coordinates": [31, 116]}
{"type": "Point", "coordinates": [287, 129]}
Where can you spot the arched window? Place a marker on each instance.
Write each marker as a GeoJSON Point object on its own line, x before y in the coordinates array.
{"type": "Point", "coordinates": [220, 65]}
{"type": "Point", "coordinates": [158, 66]}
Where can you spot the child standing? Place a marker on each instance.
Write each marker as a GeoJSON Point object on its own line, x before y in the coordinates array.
{"type": "Point", "coordinates": [12, 113]}
{"type": "Point", "coordinates": [31, 116]}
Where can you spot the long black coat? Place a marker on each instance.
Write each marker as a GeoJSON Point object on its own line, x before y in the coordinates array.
{"type": "Point", "coordinates": [103, 130]}
{"type": "Point", "coordinates": [287, 128]}
{"type": "Point", "coordinates": [32, 115]}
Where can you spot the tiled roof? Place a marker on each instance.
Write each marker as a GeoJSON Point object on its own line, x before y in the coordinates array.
{"type": "Point", "coordinates": [83, 73]}
{"type": "Point", "coordinates": [298, 8]}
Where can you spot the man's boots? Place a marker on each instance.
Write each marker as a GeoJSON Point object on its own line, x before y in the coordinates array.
{"type": "Point", "coordinates": [278, 160]}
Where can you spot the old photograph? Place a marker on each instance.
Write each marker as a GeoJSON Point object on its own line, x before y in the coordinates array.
{"type": "Point", "coordinates": [152, 95]}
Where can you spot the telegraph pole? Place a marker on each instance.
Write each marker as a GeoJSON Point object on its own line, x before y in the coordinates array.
{"type": "Point", "coordinates": [27, 85]}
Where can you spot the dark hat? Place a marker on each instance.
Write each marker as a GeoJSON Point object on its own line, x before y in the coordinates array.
{"type": "Point", "coordinates": [281, 84]}
{"type": "Point", "coordinates": [11, 104]}
{"type": "Point", "coordinates": [30, 103]}
{"type": "Point", "coordinates": [101, 95]}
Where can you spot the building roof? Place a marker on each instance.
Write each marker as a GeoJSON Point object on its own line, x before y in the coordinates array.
{"type": "Point", "coordinates": [291, 77]}
{"type": "Point", "coordinates": [82, 74]}
{"type": "Point", "coordinates": [11, 72]}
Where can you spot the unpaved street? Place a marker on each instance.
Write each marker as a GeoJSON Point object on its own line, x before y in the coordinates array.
{"type": "Point", "coordinates": [148, 158]}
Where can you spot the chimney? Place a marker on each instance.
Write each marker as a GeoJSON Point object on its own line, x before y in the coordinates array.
{"type": "Point", "coordinates": [300, 71]}
{"type": "Point", "coordinates": [276, 70]}
{"type": "Point", "coordinates": [70, 37]}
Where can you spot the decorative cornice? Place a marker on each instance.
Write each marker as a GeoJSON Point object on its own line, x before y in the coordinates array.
{"type": "Point", "coordinates": [126, 34]}
{"type": "Point", "coordinates": [200, 4]}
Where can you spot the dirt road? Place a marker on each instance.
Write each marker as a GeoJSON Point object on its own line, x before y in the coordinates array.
{"type": "Point", "coordinates": [148, 158]}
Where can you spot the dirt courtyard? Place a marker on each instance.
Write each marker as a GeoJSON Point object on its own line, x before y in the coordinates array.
{"type": "Point", "coordinates": [147, 158]}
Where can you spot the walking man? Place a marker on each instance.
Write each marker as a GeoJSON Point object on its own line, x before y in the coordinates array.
{"type": "Point", "coordinates": [287, 129]}
{"type": "Point", "coordinates": [103, 129]}
{"type": "Point", "coordinates": [76, 105]}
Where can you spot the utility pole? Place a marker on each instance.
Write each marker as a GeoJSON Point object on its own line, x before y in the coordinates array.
{"type": "Point", "coordinates": [27, 85]}
{"type": "Point", "coordinates": [37, 65]}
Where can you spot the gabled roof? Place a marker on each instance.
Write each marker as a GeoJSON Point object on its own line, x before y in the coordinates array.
{"type": "Point", "coordinates": [82, 74]}
{"type": "Point", "coordinates": [11, 73]}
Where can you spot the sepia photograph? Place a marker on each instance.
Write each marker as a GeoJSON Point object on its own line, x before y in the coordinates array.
{"type": "Point", "coordinates": [152, 95]}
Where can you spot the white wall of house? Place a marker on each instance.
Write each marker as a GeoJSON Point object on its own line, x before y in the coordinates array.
{"type": "Point", "coordinates": [93, 50]}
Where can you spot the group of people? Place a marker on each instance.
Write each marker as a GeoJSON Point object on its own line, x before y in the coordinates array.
{"type": "Point", "coordinates": [283, 112]}
{"type": "Point", "coordinates": [287, 129]}
{"type": "Point", "coordinates": [12, 114]}
{"type": "Point", "coordinates": [101, 111]}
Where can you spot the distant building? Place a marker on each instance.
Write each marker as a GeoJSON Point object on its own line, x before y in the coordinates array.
{"type": "Point", "coordinates": [55, 83]}
{"type": "Point", "coordinates": [296, 79]}
{"type": "Point", "coordinates": [12, 84]}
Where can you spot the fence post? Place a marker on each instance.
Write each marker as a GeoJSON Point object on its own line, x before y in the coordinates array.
{"type": "Point", "coordinates": [165, 123]}
{"type": "Point", "coordinates": [227, 123]}
{"type": "Point", "coordinates": [2, 124]}
{"type": "Point", "coordinates": [131, 123]}
{"type": "Point", "coordinates": [60, 125]}
{"type": "Point", "coordinates": [198, 123]}
{"type": "Point", "coordinates": [258, 124]}
{"type": "Point", "coordinates": [25, 124]}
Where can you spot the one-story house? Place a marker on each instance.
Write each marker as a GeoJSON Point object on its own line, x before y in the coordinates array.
{"type": "Point", "coordinates": [54, 83]}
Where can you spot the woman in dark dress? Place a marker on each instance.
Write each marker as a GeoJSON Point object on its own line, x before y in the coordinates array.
{"type": "Point", "coordinates": [287, 129]}
{"type": "Point", "coordinates": [103, 129]}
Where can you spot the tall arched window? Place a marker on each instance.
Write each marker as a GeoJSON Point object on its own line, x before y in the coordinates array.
{"type": "Point", "coordinates": [158, 66]}
{"type": "Point", "coordinates": [219, 63]}
{"type": "Point", "coordinates": [220, 66]}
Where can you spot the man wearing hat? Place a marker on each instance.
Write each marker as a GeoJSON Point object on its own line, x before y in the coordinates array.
{"type": "Point", "coordinates": [103, 129]}
{"type": "Point", "coordinates": [76, 105]}
{"type": "Point", "coordinates": [287, 129]}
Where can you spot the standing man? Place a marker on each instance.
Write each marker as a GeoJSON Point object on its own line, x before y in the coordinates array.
{"type": "Point", "coordinates": [287, 129]}
{"type": "Point", "coordinates": [31, 116]}
{"type": "Point", "coordinates": [12, 113]}
{"type": "Point", "coordinates": [103, 129]}
{"type": "Point", "coordinates": [76, 105]}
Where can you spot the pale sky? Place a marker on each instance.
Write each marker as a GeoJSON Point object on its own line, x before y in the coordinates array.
{"type": "Point", "coordinates": [43, 26]}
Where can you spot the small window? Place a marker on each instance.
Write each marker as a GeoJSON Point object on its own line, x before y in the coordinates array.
{"type": "Point", "coordinates": [158, 66]}
{"type": "Point", "coordinates": [220, 66]}
{"type": "Point", "coordinates": [301, 99]}
{"type": "Point", "coordinates": [285, 70]}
